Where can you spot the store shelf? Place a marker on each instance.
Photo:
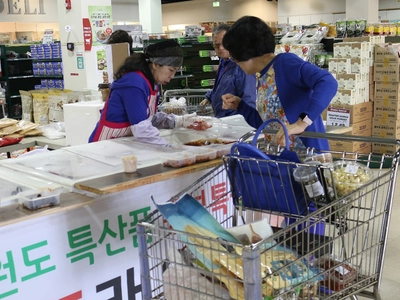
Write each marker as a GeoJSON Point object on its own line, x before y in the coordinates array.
{"type": "Point", "coordinates": [18, 59]}
{"type": "Point", "coordinates": [20, 77]}
{"type": "Point", "coordinates": [49, 76]}
{"type": "Point", "coordinates": [15, 96]}
{"type": "Point", "coordinates": [47, 59]}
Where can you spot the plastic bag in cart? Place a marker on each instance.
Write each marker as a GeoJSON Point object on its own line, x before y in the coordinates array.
{"type": "Point", "coordinates": [221, 253]}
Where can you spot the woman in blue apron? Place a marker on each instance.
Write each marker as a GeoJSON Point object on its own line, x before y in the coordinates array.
{"type": "Point", "coordinates": [133, 95]}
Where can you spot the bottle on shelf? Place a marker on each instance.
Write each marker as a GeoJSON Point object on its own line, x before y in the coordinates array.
{"type": "Point", "coordinates": [210, 68]}
{"type": "Point", "coordinates": [207, 53]}
{"type": "Point", "coordinates": [198, 83]}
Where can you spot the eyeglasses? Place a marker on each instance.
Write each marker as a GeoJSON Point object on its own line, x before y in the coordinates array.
{"type": "Point", "coordinates": [216, 46]}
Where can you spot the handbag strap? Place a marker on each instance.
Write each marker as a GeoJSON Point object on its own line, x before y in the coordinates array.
{"type": "Point", "coordinates": [260, 129]}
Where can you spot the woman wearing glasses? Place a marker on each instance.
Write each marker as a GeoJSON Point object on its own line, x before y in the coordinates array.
{"type": "Point", "coordinates": [230, 79]}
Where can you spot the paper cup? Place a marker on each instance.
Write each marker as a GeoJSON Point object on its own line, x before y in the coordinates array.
{"type": "Point", "coordinates": [130, 163]}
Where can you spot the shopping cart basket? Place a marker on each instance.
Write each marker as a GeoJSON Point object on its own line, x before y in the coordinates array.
{"type": "Point", "coordinates": [193, 98]}
{"type": "Point", "coordinates": [295, 262]}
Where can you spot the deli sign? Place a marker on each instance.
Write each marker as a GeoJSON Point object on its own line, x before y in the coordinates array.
{"type": "Point", "coordinates": [22, 7]}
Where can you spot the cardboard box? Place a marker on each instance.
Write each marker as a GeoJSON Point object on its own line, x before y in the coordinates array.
{"type": "Point", "coordinates": [362, 128]}
{"type": "Point", "coordinates": [351, 114]}
{"type": "Point", "coordinates": [349, 81]}
{"type": "Point", "coordinates": [386, 109]}
{"type": "Point", "coordinates": [360, 147]}
{"type": "Point", "coordinates": [386, 72]}
{"type": "Point", "coordinates": [371, 92]}
{"type": "Point", "coordinates": [386, 128]}
{"type": "Point", "coordinates": [379, 148]}
{"type": "Point", "coordinates": [386, 53]}
{"type": "Point", "coordinates": [371, 74]}
{"type": "Point", "coordinates": [387, 90]}
{"type": "Point", "coordinates": [115, 56]}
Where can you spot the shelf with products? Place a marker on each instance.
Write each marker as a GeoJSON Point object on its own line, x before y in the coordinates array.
{"type": "Point", "coordinates": [200, 63]}
{"type": "Point", "coordinates": [20, 71]}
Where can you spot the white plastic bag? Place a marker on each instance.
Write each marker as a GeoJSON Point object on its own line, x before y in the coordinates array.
{"type": "Point", "coordinates": [187, 282]}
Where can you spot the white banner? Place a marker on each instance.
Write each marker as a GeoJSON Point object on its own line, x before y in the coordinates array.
{"type": "Point", "coordinates": [86, 253]}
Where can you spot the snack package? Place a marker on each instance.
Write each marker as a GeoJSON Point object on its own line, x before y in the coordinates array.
{"type": "Point", "coordinates": [314, 35]}
{"type": "Point", "coordinates": [292, 37]}
{"type": "Point", "coordinates": [341, 29]}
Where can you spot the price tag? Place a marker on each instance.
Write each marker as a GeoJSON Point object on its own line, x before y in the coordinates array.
{"type": "Point", "coordinates": [351, 169]}
{"type": "Point", "coordinates": [338, 117]}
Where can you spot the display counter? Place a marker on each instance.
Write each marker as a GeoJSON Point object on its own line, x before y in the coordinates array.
{"type": "Point", "coordinates": [90, 238]}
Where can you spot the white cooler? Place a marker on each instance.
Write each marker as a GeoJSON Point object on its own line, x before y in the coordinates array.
{"type": "Point", "coordinates": [79, 120]}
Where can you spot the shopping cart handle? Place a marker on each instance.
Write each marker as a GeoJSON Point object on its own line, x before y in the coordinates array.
{"type": "Point", "coordinates": [342, 137]}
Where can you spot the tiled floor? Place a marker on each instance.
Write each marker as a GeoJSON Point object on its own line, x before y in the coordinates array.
{"type": "Point", "coordinates": [390, 287]}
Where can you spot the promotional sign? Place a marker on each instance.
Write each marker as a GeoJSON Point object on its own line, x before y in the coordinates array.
{"type": "Point", "coordinates": [48, 36]}
{"type": "Point", "coordinates": [80, 63]}
{"type": "Point", "coordinates": [87, 34]}
{"type": "Point", "coordinates": [89, 252]}
{"type": "Point", "coordinates": [338, 117]}
{"type": "Point", "coordinates": [101, 22]}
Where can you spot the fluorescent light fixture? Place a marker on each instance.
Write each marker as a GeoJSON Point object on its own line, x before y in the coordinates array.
{"type": "Point", "coordinates": [216, 3]}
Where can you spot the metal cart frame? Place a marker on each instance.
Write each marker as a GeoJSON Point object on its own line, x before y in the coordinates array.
{"type": "Point", "coordinates": [351, 244]}
{"type": "Point", "coordinates": [193, 98]}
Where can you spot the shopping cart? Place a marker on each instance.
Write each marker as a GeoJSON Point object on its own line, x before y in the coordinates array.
{"type": "Point", "coordinates": [334, 250]}
{"type": "Point", "coordinates": [193, 98]}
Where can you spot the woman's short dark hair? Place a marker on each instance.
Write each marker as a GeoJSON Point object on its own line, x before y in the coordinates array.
{"type": "Point", "coordinates": [120, 36]}
{"type": "Point", "coordinates": [249, 37]}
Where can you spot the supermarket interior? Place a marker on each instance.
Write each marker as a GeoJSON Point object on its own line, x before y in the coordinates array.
{"type": "Point", "coordinates": [212, 206]}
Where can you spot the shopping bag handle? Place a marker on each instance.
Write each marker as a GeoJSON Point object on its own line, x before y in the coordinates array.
{"type": "Point", "coordinates": [262, 126]}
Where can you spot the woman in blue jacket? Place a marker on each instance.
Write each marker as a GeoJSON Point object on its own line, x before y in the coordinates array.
{"type": "Point", "coordinates": [288, 88]}
{"type": "Point", "coordinates": [230, 79]}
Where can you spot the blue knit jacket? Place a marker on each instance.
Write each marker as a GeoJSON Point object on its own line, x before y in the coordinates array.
{"type": "Point", "coordinates": [302, 88]}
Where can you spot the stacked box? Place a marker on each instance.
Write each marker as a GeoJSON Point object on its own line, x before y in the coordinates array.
{"type": "Point", "coordinates": [351, 64]}
{"type": "Point", "coordinates": [386, 120]}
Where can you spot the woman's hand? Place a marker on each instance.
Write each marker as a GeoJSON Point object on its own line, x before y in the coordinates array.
{"type": "Point", "coordinates": [230, 101]}
{"type": "Point", "coordinates": [205, 102]}
{"type": "Point", "coordinates": [295, 128]}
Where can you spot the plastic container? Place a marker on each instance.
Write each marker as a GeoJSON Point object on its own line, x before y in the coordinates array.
{"type": "Point", "coordinates": [36, 199]}
{"type": "Point", "coordinates": [347, 176]}
{"type": "Point", "coordinates": [203, 154]}
{"type": "Point", "coordinates": [340, 274]}
{"type": "Point", "coordinates": [178, 160]}
{"type": "Point", "coordinates": [222, 149]}
{"type": "Point", "coordinates": [320, 157]}
{"type": "Point", "coordinates": [308, 178]}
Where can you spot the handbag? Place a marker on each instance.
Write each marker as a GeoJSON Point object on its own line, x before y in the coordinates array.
{"type": "Point", "coordinates": [264, 181]}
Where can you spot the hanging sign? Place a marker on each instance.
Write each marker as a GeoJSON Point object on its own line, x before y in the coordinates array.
{"type": "Point", "coordinates": [87, 34]}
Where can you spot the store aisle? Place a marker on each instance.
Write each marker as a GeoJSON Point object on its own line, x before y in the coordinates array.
{"type": "Point", "coordinates": [390, 288]}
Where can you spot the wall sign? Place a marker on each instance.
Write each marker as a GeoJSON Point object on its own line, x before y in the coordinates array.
{"type": "Point", "coordinates": [87, 34]}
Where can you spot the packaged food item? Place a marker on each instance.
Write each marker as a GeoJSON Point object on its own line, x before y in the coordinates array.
{"type": "Point", "coordinates": [39, 198]}
{"type": "Point", "coordinates": [320, 157]}
{"type": "Point", "coordinates": [307, 176]}
{"type": "Point", "coordinates": [203, 154]}
{"type": "Point", "coordinates": [340, 29]}
{"type": "Point", "coordinates": [340, 274]}
{"type": "Point", "coordinates": [314, 35]}
{"type": "Point", "coordinates": [347, 176]}
{"type": "Point", "coordinates": [178, 160]}
{"type": "Point", "coordinates": [292, 37]}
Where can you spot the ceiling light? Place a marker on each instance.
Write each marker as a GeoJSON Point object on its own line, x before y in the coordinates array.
{"type": "Point", "coordinates": [216, 4]}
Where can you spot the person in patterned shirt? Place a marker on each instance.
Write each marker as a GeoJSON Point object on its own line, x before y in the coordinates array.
{"type": "Point", "coordinates": [289, 88]}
